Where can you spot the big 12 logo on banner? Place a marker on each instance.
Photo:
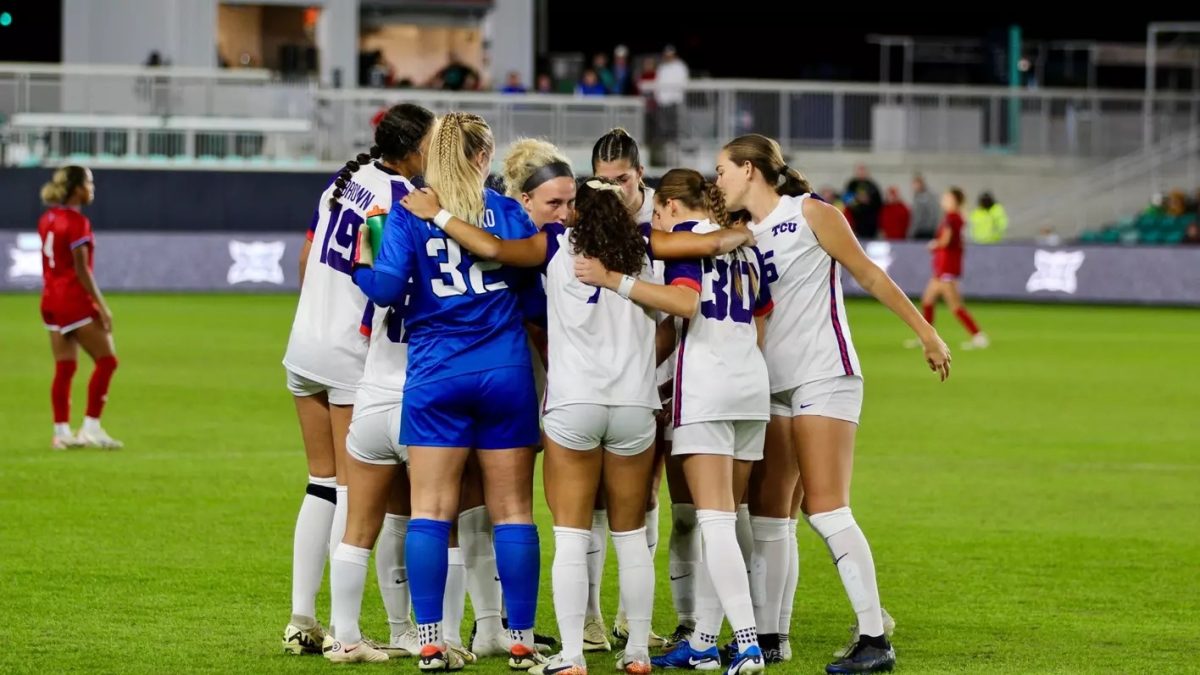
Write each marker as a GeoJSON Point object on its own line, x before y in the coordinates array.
{"type": "Point", "coordinates": [1055, 271]}
{"type": "Point", "coordinates": [256, 262]}
{"type": "Point", "coordinates": [25, 260]}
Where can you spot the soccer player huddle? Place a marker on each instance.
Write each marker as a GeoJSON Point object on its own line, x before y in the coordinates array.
{"type": "Point", "coordinates": [695, 331]}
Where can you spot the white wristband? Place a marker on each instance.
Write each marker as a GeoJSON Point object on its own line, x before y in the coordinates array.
{"type": "Point", "coordinates": [442, 218]}
{"type": "Point", "coordinates": [626, 286]}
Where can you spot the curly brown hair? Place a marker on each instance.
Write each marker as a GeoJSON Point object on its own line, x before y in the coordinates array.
{"type": "Point", "coordinates": [605, 229]}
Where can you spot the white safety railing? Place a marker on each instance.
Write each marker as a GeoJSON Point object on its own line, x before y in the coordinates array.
{"type": "Point", "coordinates": [570, 122]}
{"type": "Point", "coordinates": [926, 118]}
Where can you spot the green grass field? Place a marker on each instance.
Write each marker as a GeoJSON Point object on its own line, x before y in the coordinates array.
{"type": "Point", "coordinates": [1040, 512]}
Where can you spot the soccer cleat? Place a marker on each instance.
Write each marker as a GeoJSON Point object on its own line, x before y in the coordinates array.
{"type": "Point", "coordinates": [303, 636]}
{"type": "Point", "coordinates": [749, 661]}
{"type": "Point", "coordinates": [785, 647]}
{"type": "Point", "coordinates": [363, 652]}
{"type": "Point", "coordinates": [682, 634]}
{"type": "Point", "coordinates": [977, 341]}
{"type": "Point", "coordinates": [683, 656]}
{"type": "Point", "coordinates": [496, 644]}
{"type": "Point", "coordinates": [402, 644]}
{"type": "Point", "coordinates": [521, 657]}
{"type": "Point", "coordinates": [595, 638]}
{"type": "Point", "coordinates": [543, 643]}
{"type": "Point", "coordinates": [865, 658]}
{"type": "Point", "coordinates": [768, 643]}
{"type": "Point", "coordinates": [633, 665]}
{"type": "Point", "coordinates": [65, 442]}
{"type": "Point", "coordinates": [463, 653]}
{"type": "Point", "coordinates": [620, 632]}
{"type": "Point", "coordinates": [730, 651]}
{"type": "Point", "coordinates": [557, 665]}
{"type": "Point", "coordinates": [98, 438]}
{"type": "Point", "coordinates": [889, 627]}
{"type": "Point", "coordinates": [439, 657]}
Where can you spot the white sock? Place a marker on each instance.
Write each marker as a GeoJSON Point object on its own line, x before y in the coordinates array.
{"type": "Point", "coordinates": [455, 601]}
{"type": "Point", "coordinates": [569, 575]}
{"type": "Point", "coordinates": [391, 572]}
{"type": "Point", "coordinates": [709, 615]}
{"type": "Point", "coordinates": [852, 556]}
{"type": "Point", "coordinates": [636, 580]}
{"type": "Point", "coordinates": [483, 584]}
{"type": "Point", "coordinates": [597, 550]}
{"type": "Point", "coordinates": [347, 576]}
{"type": "Point", "coordinates": [91, 424]}
{"type": "Point", "coordinates": [725, 567]}
{"type": "Point", "coordinates": [310, 545]}
{"type": "Point", "coordinates": [769, 570]}
{"type": "Point", "coordinates": [683, 551]}
{"type": "Point", "coordinates": [62, 429]}
{"type": "Point", "coordinates": [790, 582]}
{"type": "Point", "coordinates": [652, 531]}
{"type": "Point", "coordinates": [338, 529]}
{"type": "Point", "coordinates": [745, 535]}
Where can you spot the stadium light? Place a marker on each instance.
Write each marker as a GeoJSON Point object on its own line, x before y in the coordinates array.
{"type": "Point", "coordinates": [5, 19]}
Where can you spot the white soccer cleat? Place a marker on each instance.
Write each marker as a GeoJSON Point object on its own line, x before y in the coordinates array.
{"type": "Point", "coordinates": [557, 665]}
{"type": "Point", "coordinates": [364, 652]}
{"type": "Point", "coordinates": [303, 636]}
{"type": "Point", "coordinates": [495, 644]}
{"type": "Point", "coordinates": [463, 653]}
{"type": "Point", "coordinates": [99, 438]}
{"type": "Point", "coordinates": [633, 665]}
{"type": "Point", "coordinates": [595, 635]}
{"type": "Point", "coordinates": [978, 341]}
{"type": "Point", "coordinates": [785, 648]}
{"type": "Point", "coordinates": [889, 627]}
{"type": "Point", "coordinates": [65, 442]}
{"type": "Point", "coordinates": [439, 657]}
{"type": "Point", "coordinates": [521, 657]}
{"type": "Point", "coordinates": [402, 644]}
{"type": "Point", "coordinates": [620, 631]}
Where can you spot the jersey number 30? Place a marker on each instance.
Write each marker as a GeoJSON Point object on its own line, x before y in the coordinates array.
{"type": "Point", "coordinates": [452, 282]}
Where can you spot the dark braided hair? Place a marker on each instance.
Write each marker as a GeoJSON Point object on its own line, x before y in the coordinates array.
{"type": "Point", "coordinates": [605, 229]}
{"type": "Point", "coordinates": [398, 135]}
{"type": "Point", "coordinates": [616, 144]}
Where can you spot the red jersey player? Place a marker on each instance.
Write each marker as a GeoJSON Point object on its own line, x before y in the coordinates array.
{"type": "Point", "coordinates": [947, 248]}
{"type": "Point", "coordinates": [73, 309]}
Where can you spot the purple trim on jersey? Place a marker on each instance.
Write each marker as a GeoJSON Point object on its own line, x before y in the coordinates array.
{"type": "Point", "coordinates": [86, 239]}
{"type": "Point", "coordinates": [645, 229]}
{"type": "Point", "coordinates": [685, 226]}
{"type": "Point", "coordinates": [399, 190]}
{"type": "Point", "coordinates": [837, 324]}
{"type": "Point", "coordinates": [679, 374]}
{"type": "Point", "coordinates": [764, 303]}
{"type": "Point", "coordinates": [552, 230]}
{"type": "Point", "coordinates": [689, 270]}
{"type": "Point", "coordinates": [368, 318]}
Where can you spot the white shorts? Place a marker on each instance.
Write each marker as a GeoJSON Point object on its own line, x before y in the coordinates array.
{"type": "Point", "coordinates": [300, 385]}
{"type": "Point", "coordinates": [740, 439]}
{"type": "Point", "coordinates": [619, 429]}
{"type": "Point", "coordinates": [374, 437]}
{"type": "Point", "coordinates": [837, 397]}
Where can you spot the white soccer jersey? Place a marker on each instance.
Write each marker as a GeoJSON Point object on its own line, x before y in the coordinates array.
{"type": "Point", "coordinates": [601, 346]}
{"type": "Point", "coordinates": [382, 385]}
{"type": "Point", "coordinates": [645, 215]}
{"type": "Point", "coordinates": [326, 344]}
{"type": "Point", "coordinates": [808, 335]}
{"type": "Point", "coordinates": [720, 373]}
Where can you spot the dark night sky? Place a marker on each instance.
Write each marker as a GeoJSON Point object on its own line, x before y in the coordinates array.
{"type": "Point", "coordinates": [759, 40]}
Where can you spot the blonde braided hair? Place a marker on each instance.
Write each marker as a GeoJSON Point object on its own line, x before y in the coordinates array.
{"type": "Point", "coordinates": [458, 138]}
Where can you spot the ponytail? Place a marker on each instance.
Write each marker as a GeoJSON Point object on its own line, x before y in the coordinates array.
{"type": "Point", "coordinates": [348, 171]}
{"type": "Point", "coordinates": [63, 184]}
{"type": "Point", "coordinates": [458, 139]}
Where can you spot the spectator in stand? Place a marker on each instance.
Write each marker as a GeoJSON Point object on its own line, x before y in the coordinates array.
{"type": "Point", "coordinates": [545, 84]}
{"type": "Point", "coordinates": [670, 86]}
{"type": "Point", "coordinates": [645, 78]}
{"type": "Point", "coordinates": [455, 76]}
{"type": "Point", "coordinates": [926, 211]}
{"type": "Point", "coordinates": [1192, 236]}
{"type": "Point", "coordinates": [895, 216]}
{"type": "Point", "coordinates": [989, 222]}
{"type": "Point", "coordinates": [604, 74]}
{"type": "Point", "coordinates": [512, 85]}
{"type": "Point", "coordinates": [622, 73]}
{"type": "Point", "coordinates": [1176, 203]}
{"type": "Point", "coordinates": [589, 84]}
{"type": "Point", "coordinates": [865, 203]}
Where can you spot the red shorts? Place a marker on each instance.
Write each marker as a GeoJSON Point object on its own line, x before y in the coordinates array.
{"type": "Point", "coordinates": [947, 266]}
{"type": "Point", "coordinates": [65, 313]}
